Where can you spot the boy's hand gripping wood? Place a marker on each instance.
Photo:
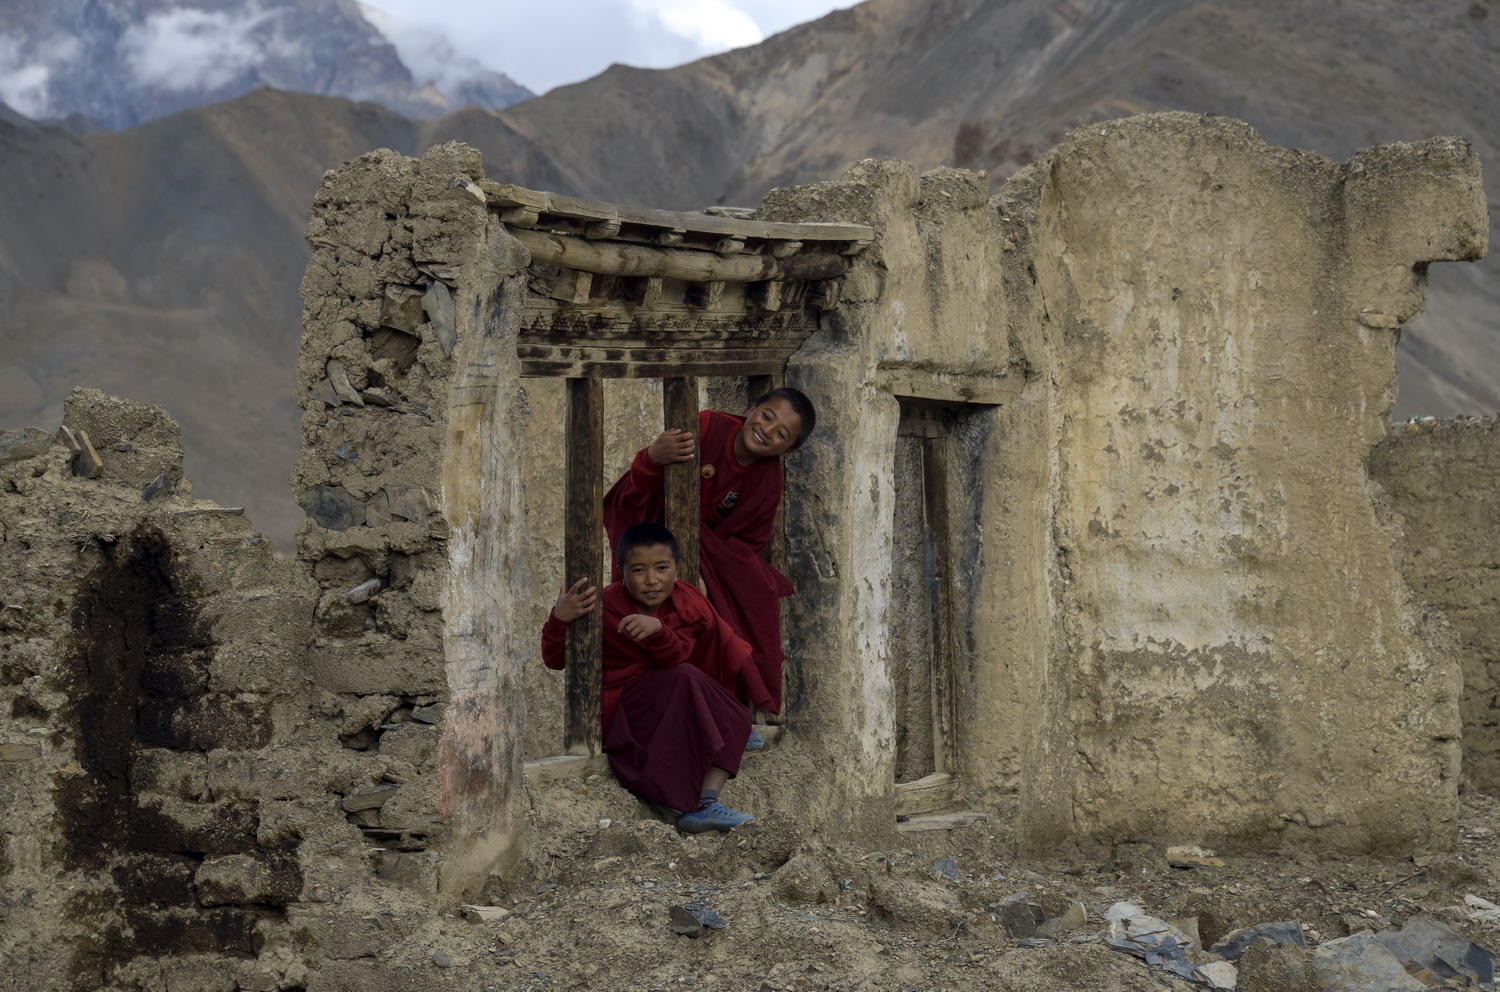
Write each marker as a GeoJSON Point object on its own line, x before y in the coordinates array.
{"type": "Point", "coordinates": [576, 601]}
{"type": "Point", "coordinates": [583, 552]}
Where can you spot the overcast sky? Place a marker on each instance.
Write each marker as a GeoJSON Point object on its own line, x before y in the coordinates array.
{"type": "Point", "coordinates": [545, 43]}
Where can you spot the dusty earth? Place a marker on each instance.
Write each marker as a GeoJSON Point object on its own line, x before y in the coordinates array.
{"type": "Point", "coordinates": [595, 912]}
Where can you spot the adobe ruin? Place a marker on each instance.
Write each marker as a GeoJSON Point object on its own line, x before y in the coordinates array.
{"type": "Point", "coordinates": [1087, 545]}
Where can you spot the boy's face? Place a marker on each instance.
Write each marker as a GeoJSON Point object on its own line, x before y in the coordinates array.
{"type": "Point", "coordinates": [650, 572]}
{"type": "Point", "coordinates": [771, 429]}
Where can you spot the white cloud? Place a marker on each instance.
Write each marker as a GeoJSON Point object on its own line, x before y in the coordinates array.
{"type": "Point", "coordinates": [714, 25]}
{"type": "Point", "coordinates": [546, 43]}
{"type": "Point", "coordinates": [25, 77]}
{"type": "Point", "coordinates": [190, 49]}
{"type": "Point", "coordinates": [427, 53]}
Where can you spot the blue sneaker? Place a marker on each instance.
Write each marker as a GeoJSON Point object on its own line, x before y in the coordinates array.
{"type": "Point", "coordinates": [712, 815]}
{"type": "Point", "coordinates": [755, 742]}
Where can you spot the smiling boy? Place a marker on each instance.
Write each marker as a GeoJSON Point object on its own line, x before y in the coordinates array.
{"type": "Point", "coordinates": [673, 730]}
{"type": "Point", "coordinates": [740, 489]}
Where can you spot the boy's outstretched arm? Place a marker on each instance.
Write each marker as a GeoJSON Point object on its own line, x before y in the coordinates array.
{"type": "Point", "coordinates": [671, 446]}
{"type": "Point", "coordinates": [572, 603]}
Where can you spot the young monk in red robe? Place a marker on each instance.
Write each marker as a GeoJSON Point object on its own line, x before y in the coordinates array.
{"type": "Point", "coordinates": [740, 467]}
{"type": "Point", "coordinates": [673, 730]}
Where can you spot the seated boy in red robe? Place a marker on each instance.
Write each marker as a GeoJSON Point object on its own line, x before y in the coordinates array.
{"type": "Point", "coordinates": [673, 730]}
{"type": "Point", "coordinates": [740, 468]}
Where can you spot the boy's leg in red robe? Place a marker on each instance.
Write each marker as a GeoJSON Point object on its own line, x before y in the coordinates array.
{"type": "Point", "coordinates": [669, 727]}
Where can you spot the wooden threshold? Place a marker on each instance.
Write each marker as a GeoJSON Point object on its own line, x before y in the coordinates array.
{"type": "Point", "coordinates": [940, 821]}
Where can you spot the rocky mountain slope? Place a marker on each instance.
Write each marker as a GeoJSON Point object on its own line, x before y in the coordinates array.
{"type": "Point", "coordinates": [161, 262]}
{"type": "Point", "coordinates": [118, 63]}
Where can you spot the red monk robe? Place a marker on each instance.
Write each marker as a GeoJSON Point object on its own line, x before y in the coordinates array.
{"type": "Point", "coordinates": [667, 704]}
{"type": "Point", "coordinates": [738, 509]}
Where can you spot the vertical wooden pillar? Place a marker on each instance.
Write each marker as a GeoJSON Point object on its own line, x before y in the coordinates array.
{"type": "Point", "coordinates": [583, 551]}
{"type": "Point", "coordinates": [680, 409]}
{"type": "Point", "coordinates": [935, 507]}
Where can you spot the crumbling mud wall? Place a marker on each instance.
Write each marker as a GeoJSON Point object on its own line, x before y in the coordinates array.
{"type": "Point", "coordinates": [1238, 659]}
{"type": "Point", "coordinates": [925, 315]}
{"type": "Point", "coordinates": [1440, 476]}
{"type": "Point", "coordinates": [166, 800]}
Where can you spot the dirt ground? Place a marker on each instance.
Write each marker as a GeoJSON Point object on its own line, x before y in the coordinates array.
{"type": "Point", "coordinates": [596, 913]}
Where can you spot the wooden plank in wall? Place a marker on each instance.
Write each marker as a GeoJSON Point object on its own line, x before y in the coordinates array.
{"type": "Point", "coordinates": [939, 525]}
{"type": "Point", "coordinates": [680, 409]}
{"type": "Point", "coordinates": [583, 551]}
{"type": "Point", "coordinates": [928, 794]}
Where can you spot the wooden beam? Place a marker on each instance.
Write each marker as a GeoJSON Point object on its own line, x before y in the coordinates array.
{"type": "Point", "coordinates": [945, 654]}
{"type": "Point", "coordinates": [614, 258]}
{"type": "Point", "coordinates": [547, 363]}
{"type": "Point", "coordinates": [583, 553]}
{"type": "Point", "coordinates": [680, 409]}
{"type": "Point", "coordinates": [705, 295]}
{"type": "Point", "coordinates": [506, 195]}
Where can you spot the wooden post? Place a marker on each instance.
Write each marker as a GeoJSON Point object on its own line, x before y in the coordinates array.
{"type": "Point", "coordinates": [936, 508]}
{"type": "Point", "coordinates": [583, 552]}
{"type": "Point", "coordinates": [680, 409]}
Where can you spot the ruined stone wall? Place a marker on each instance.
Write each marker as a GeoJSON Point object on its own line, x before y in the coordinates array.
{"type": "Point", "coordinates": [1238, 660]}
{"type": "Point", "coordinates": [922, 314]}
{"type": "Point", "coordinates": [1440, 476]}
{"type": "Point", "coordinates": [167, 798]}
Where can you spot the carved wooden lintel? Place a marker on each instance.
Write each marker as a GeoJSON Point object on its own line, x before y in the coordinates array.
{"type": "Point", "coordinates": [705, 295]}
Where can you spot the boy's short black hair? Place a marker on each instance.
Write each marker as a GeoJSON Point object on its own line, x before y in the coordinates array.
{"type": "Point", "coordinates": [800, 404]}
{"type": "Point", "coordinates": [644, 535]}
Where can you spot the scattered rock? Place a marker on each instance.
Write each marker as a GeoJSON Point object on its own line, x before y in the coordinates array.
{"type": "Point", "coordinates": [338, 377]}
{"type": "Point", "coordinates": [1233, 944]}
{"type": "Point", "coordinates": [363, 591]}
{"type": "Point", "coordinates": [1268, 967]}
{"type": "Point", "coordinates": [334, 508]}
{"type": "Point", "coordinates": [946, 868]}
{"type": "Point", "coordinates": [1016, 916]}
{"type": "Point", "coordinates": [442, 959]}
{"type": "Point", "coordinates": [1071, 918]}
{"type": "Point", "coordinates": [1217, 974]}
{"type": "Point", "coordinates": [1426, 947]}
{"type": "Point", "coordinates": [1482, 910]}
{"type": "Point", "coordinates": [369, 798]}
{"type": "Point", "coordinates": [485, 914]}
{"type": "Point", "coordinates": [695, 920]}
{"type": "Point", "coordinates": [438, 304]}
{"type": "Point", "coordinates": [430, 714]}
{"type": "Point", "coordinates": [156, 487]}
{"type": "Point", "coordinates": [1152, 940]}
{"type": "Point", "coordinates": [1360, 963]}
{"type": "Point", "coordinates": [28, 442]}
{"type": "Point", "coordinates": [1191, 856]}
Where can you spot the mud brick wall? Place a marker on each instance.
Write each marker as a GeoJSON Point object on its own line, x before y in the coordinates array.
{"type": "Point", "coordinates": [1237, 659]}
{"type": "Point", "coordinates": [1441, 477]}
{"type": "Point", "coordinates": [150, 650]}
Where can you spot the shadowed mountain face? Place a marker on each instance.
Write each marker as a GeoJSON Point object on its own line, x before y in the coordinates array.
{"type": "Point", "coordinates": [118, 63]}
{"type": "Point", "coordinates": [162, 262]}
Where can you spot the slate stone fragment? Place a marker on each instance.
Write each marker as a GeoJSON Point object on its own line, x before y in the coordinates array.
{"type": "Point", "coordinates": [695, 919]}
{"type": "Point", "coordinates": [334, 507]}
{"type": "Point", "coordinates": [1439, 949]}
{"type": "Point", "coordinates": [946, 868]}
{"type": "Point", "coordinates": [438, 304]}
{"type": "Point", "coordinates": [1359, 963]}
{"type": "Point", "coordinates": [1233, 944]}
{"type": "Point", "coordinates": [1016, 916]}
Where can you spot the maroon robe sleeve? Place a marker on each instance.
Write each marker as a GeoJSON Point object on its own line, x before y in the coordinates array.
{"type": "Point", "coordinates": [554, 638]}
